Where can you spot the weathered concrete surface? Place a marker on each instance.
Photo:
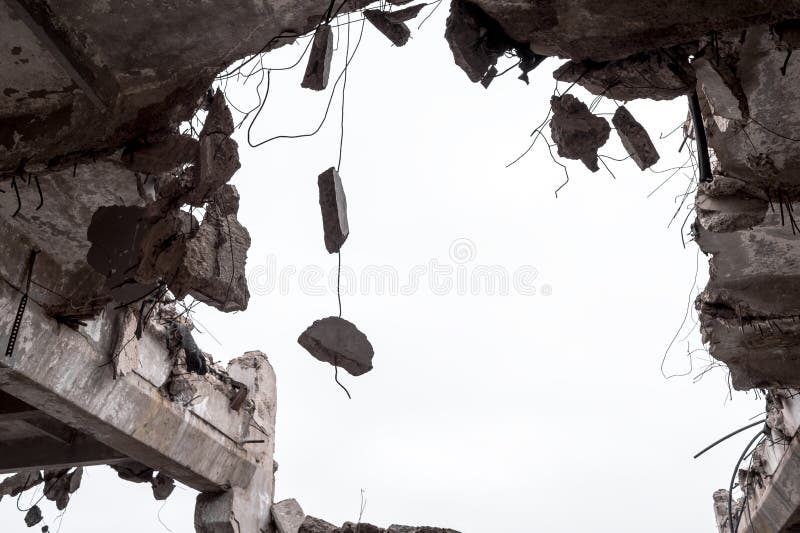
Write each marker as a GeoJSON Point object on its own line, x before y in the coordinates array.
{"type": "Point", "coordinates": [316, 525]}
{"type": "Point", "coordinates": [318, 68]}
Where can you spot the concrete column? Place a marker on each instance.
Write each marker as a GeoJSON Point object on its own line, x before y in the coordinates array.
{"type": "Point", "coordinates": [247, 509]}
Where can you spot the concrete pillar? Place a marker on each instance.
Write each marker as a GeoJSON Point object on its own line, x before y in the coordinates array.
{"type": "Point", "coordinates": [247, 509]}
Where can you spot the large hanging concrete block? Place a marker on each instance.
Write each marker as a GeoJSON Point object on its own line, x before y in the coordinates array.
{"type": "Point", "coordinates": [333, 204]}
{"type": "Point", "coordinates": [319, 61]}
{"type": "Point", "coordinates": [635, 138]}
{"type": "Point", "coordinates": [576, 131]}
{"type": "Point", "coordinates": [336, 341]}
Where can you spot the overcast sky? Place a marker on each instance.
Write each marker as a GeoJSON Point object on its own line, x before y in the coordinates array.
{"type": "Point", "coordinates": [537, 408]}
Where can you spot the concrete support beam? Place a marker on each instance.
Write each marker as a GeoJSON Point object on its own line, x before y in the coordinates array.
{"type": "Point", "coordinates": [64, 374]}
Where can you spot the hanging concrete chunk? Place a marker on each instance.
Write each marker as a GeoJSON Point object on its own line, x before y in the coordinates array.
{"type": "Point", "coordinates": [319, 62]}
{"type": "Point", "coordinates": [403, 15]}
{"type": "Point", "coordinates": [576, 131]}
{"type": "Point", "coordinates": [397, 32]}
{"type": "Point", "coordinates": [163, 486]}
{"type": "Point", "coordinates": [287, 516]}
{"type": "Point", "coordinates": [336, 341]}
{"type": "Point", "coordinates": [333, 204]}
{"type": "Point", "coordinates": [33, 516]}
{"type": "Point", "coordinates": [635, 138]}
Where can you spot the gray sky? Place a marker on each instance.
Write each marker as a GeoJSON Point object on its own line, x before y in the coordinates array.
{"type": "Point", "coordinates": [485, 412]}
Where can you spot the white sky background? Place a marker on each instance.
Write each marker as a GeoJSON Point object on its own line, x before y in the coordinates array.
{"type": "Point", "coordinates": [484, 412]}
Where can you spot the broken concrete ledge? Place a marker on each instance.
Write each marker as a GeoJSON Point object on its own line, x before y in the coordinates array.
{"type": "Point", "coordinates": [62, 373]}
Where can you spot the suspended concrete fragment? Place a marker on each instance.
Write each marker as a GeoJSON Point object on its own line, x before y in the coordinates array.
{"type": "Point", "coordinates": [336, 341]}
{"type": "Point", "coordinates": [333, 204]}
{"type": "Point", "coordinates": [318, 68]}
{"type": "Point", "coordinates": [393, 28]}
{"type": "Point", "coordinates": [635, 138]}
{"type": "Point", "coordinates": [576, 131]}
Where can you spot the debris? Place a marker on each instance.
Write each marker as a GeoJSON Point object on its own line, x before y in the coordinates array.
{"type": "Point", "coordinates": [33, 516]}
{"type": "Point", "coordinates": [133, 471]}
{"type": "Point", "coordinates": [654, 75]}
{"type": "Point", "coordinates": [18, 483]}
{"type": "Point", "coordinates": [315, 525]}
{"type": "Point", "coordinates": [635, 138]}
{"type": "Point", "coordinates": [212, 268]}
{"type": "Point", "coordinates": [125, 356]}
{"type": "Point", "coordinates": [576, 131]}
{"type": "Point", "coordinates": [336, 341]}
{"type": "Point", "coordinates": [489, 77]}
{"type": "Point", "coordinates": [333, 204]}
{"type": "Point", "coordinates": [397, 32]}
{"type": "Point", "coordinates": [319, 62]}
{"type": "Point", "coordinates": [478, 41]}
{"type": "Point", "coordinates": [403, 15]}
{"type": "Point", "coordinates": [75, 479]}
{"type": "Point", "coordinates": [164, 155]}
{"type": "Point", "coordinates": [162, 485]}
{"type": "Point", "coordinates": [219, 119]}
{"type": "Point", "coordinates": [287, 516]}
{"type": "Point", "coordinates": [361, 527]}
{"type": "Point", "coordinates": [56, 487]}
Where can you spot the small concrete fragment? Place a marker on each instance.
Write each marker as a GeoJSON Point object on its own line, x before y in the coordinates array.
{"type": "Point", "coordinates": [576, 131]}
{"type": "Point", "coordinates": [315, 525]}
{"type": "Point", "coordinates": [219, 119]}
{"type": "Point", "coordinates": [319, 61]}
{"type": "Point", "coordinates": [33, 516]}
{"type": "Point", "coordinates": [397, 32]}
{"type": "Point", "coordinates": [635, 138]}
{"type": "Point", "coordinates": [333, 204]}
{"type": "Point", "coordinates": [14, 485]}
{"type": "Point", "coordinates": [336, 341]}
{"type": "Point", "coordinates": [56, 487]}
{"type": "Point", "coordinates": [403, 15]}
{"type": "Point", "coordinates": [75, 479]}
{"type": "Point", "coordinates": [287, 515]}
{"type": "Point", "coordinates": [163, 486]}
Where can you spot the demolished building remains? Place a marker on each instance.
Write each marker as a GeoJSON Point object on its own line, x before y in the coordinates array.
{"type": "Point", "coordinates": [101, 243]}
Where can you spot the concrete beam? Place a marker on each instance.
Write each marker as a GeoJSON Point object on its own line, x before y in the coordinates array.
{"type": "Point", "coordinates": [49, 454]}
{"type": "Point", "coordinates": [64, 374]}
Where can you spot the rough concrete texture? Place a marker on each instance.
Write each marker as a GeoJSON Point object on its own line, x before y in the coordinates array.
{"type": "Point", "coordinates": [418, 529]}
{"type": "Point", "coordinates": [721, 88]}
{"type": "Point", "coordinates": [318, 69]}
{"type": "Point", "coordinates": [333, 204]}
{"type": "Point", "coordinates": [634, 138]}
{"type": "Point", "coordinates": [287, 515]}
{"type": "Point", "coordinates": [658, 75]}
{"type": "Point", "coordinates": [247, 507]}
{"type": "Point", "coordinates": [394, 30]}
{"type": "Point", "coordinates": [576, 131]}
{"type": "Point", "coordinates": [163, 486]}
{"type": "Point", "coordinates": [316, 525]}
{"type": "Point", "coordinates": [336, 341]}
